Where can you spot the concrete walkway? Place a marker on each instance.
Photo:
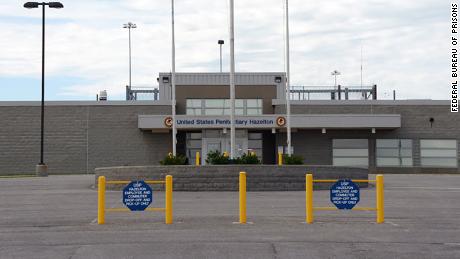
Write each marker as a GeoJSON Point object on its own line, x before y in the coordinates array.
{"type": "Point", "coordinates": [55, 217]}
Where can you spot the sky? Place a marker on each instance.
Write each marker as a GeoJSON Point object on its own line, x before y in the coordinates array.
{"type": "Point", "coordinates": [405, 44]}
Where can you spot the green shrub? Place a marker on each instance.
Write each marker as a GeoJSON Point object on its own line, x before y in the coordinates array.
{"type": "Point", "coordinates": [292, 160]}
{"type": "Point", "coordinates": [247, 159]}
{"type": "Point", "coordinates": [174, 160]}
{"type": "Point", "coordinates": [217, 158]}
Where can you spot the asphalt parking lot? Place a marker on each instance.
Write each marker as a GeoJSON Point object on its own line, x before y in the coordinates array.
{"type": "Point", "coordinates": [55, 217]}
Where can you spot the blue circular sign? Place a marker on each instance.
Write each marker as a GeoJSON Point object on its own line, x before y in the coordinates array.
{"type": "Point", "coordinates": [345, 194]}
{"type": "Point", "coordinates": [137, 195]}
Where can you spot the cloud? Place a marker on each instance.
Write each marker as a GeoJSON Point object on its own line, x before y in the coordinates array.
{"type": "Point", "coordinates": [405, 43]}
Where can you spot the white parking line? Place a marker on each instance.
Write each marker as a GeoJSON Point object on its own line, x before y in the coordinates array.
{"type": "Point", "coordinates": [425, 188]}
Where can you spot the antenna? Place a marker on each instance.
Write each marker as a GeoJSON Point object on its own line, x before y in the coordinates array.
{"type": "Point", "coordinates": [361, 65]}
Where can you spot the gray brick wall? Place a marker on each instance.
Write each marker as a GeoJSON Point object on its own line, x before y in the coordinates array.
{"type": "Point", "coordinates": [82, 137]}
{"type": "Point", "coordinates": [225, 177]}
{"type": "Point", "coordinates": [78, 138]}
{"type": "Point", "coordinates": [415, 125]}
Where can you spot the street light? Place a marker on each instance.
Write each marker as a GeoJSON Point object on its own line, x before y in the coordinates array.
{"type": "Point", "coordinates": [335, 73]}
{"type": "Point", "coordinates": [129, 26]}
{"type": "Point", "coordinates": [42, 169]}
{"type": "Point", "coordinates": [220, 42]}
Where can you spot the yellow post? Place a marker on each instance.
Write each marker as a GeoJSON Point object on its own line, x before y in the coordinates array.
{"type": "Point", "coordinates": [280, 158]}
{"type": "Point", "coordinates": [197, 160]}
{"type": "Point", "coordinates": [169, 200]}
{"type": "Point", "coordinates": [242, 198]}
{"type": "Point", "coordinates": [380, 199]}
{"type": "Point", "coordinates": [101, 200]}
{"type": "Point", "coordinates": [309, 198]}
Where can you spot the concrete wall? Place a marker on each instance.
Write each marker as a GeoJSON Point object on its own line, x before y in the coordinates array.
{"type": "Point", "coordinates": [78, 137]}
{"type": "Point", "coordinates": [415, 125]}
{"type": "Point", "coordinates": [225, 177]}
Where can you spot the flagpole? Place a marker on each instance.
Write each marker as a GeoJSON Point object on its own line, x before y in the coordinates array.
{"type": "Point", "coordinates": [173, 82]}
{"type": "Point", "coordinates": [288, 83]}
{"type": "Point", "coordinates": [232, 82]}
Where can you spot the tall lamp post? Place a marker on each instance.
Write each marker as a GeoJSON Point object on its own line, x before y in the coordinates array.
{"type": "Point", "coordinates": [42, 169]}
{"type": "Point", "coordinates": [335, 73]}
{"type": "Point", "coordinates": [129, 26]}
{"type": "Point", "coordinates": [220, 42]}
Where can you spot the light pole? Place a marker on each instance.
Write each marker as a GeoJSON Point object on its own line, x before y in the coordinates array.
{"type": "Point", "coordinates": [129, 26]}
{"type": "Point", "coordinates": [335, 73]}
{"type": "Point", "coordinates": [42, 169]}
{"type": "Point", "coordinates": [220, 42]}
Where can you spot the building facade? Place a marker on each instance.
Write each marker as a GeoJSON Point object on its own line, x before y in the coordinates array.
{"type": "Point", "coordinates": [404, 136]}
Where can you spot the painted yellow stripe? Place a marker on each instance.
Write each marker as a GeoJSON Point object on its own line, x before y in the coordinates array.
{"type": "Point", "coordinates": [334, 208]}
{"type": "Point", "coordinates": [126, 182]}
{"type": "Point", "coordinates": [333, 181]}
{"type": "Point", "coordinates": [128, 210]}
{"type": "Point", "coordinates": [117, 182]}
{"type": "Point", "coordinates": [155, 182]}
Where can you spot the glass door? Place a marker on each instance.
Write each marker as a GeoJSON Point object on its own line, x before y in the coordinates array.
{"type": "Point", "coordinates": [209, 145]}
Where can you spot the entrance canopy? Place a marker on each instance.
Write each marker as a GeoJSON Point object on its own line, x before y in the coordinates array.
{"type": "Point", "coordinates": [277, 121]}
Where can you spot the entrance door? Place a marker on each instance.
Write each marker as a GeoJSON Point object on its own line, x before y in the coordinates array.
{"type": "Point", "coordinates": [221, 142]}
{"type": "Point", "coordinates": [209, 145]}
{"type": "Point", "coordinates": [241, 146]}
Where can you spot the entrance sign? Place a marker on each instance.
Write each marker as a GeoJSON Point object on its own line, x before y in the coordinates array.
{"type": "Point", "coordinates": [344, 194]}
{"type": "Point", "coordinates": [137, 196]}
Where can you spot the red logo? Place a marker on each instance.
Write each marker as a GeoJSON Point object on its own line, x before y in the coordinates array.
{"type": "Point", "coordinates": [168, 122]}
{"type": "Point", "coordinates": [280, 121]}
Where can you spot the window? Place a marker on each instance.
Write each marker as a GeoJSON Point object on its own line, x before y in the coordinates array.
{"type": "Point", "coordinates": [350, 152]}
{"type": "Point", "coordinates": [255, 144]}
{"type": "Point", "coordinates": [194, 107]}
{"type": "Point", "coordinates": [253, 106]}
{"type": "Point", "coordinates": [394, 152]}
{"type": "Point", "coordinates": [438, 152]}
{"type": "Point", "coordinates": [217, 107]}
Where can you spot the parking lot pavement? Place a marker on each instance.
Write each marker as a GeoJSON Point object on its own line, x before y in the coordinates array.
{"type": "Point", "coordinates": [55, 217]}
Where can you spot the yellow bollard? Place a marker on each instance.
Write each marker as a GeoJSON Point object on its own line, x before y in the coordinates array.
{"type": "Point", "coordinates": [280, 158]}
{"type": "Point", "coordinates": [101, 200]}
{"type": "Point", "coordinates": [197, 160]}
{"type": "Point", "coordinates": [242, 190]}
{"type": "Point", "coordinates": [169, 200]}
{"type": "Point", "coordinates": [380, 199]}
{"type": "Point", "coordinates": [309, 198]}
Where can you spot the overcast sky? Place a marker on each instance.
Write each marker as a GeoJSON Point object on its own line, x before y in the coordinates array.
{"type": "Point", "coordinates": [405, 44]}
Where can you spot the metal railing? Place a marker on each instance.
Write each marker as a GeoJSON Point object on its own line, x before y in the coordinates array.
{"type": "Point", "coordinates": [333, 93]}
{"type": "Point", "coordinates": [297, 93]}
{"type": "Point", "coordinates": [142, 93]}
{"type": "Point", "coordinates": [101, 208]}
{"type": "Point", "coordinates": [379, 199]}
